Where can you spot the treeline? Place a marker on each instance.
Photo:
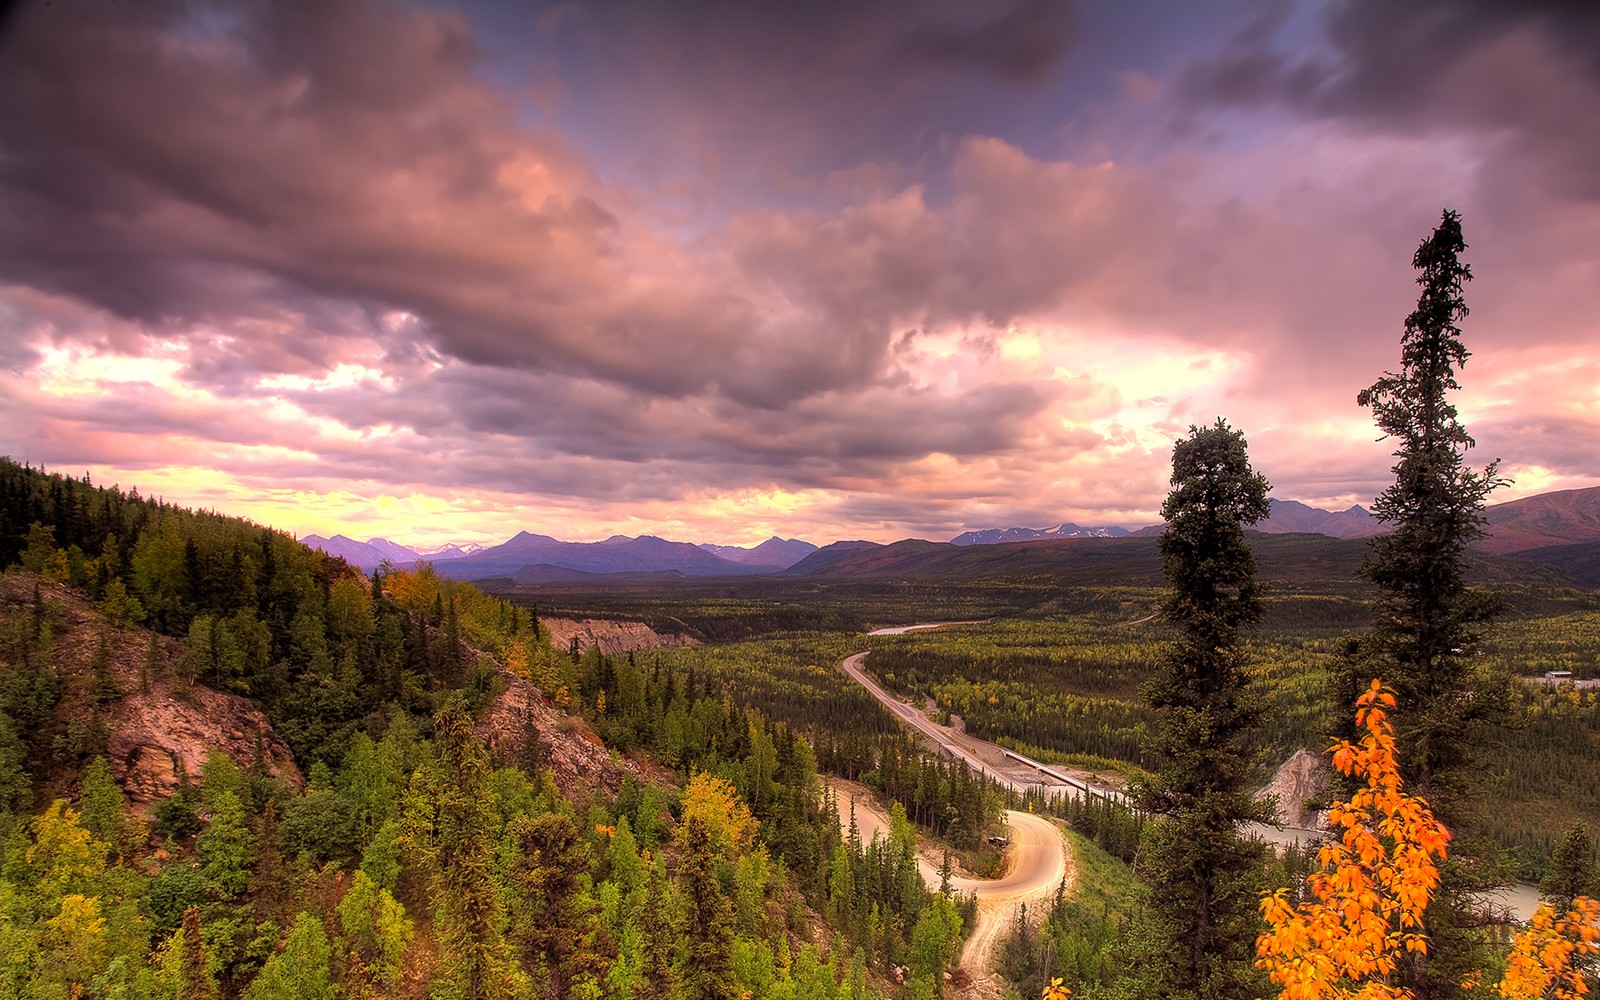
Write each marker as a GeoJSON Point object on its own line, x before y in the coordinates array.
{"type": "Point", "coordinates": [412, 861]}
{"type": "Point", "coordinates": [1068, 689]}
{"type": "Point", "coordinates": [413, 864]}
{"type": "Point", "coordinates": [796, 682]}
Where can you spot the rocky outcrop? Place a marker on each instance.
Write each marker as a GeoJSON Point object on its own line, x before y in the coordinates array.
{"type": "Point", "coordinates": [610, 636]}
{"type": "Point", "coordinates": [154, 721]}
{"type": "Point", "coordinates": [154, 733]}
{"type": "Point", "coordinates": [576, 756]}
{"type": "Point", "coordinates": [1303, 776]}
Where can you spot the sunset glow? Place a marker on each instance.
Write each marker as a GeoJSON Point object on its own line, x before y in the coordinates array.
{"type": "Point", "coordinates": [718, 272]}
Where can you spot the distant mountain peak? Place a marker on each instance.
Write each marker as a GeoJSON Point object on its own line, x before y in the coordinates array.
{"type": "Point", "coordinates": [1292, 516]}
{"type": "Point", "coordinates": [775, 553]}
{"type": "Point", "coordinates": [1002, 536]}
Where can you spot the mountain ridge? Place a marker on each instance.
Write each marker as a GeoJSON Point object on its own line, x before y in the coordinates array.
{"type": "Point", "coordinates": [1552, 527]}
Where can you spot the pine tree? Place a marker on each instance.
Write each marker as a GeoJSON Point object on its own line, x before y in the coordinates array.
{"type": "Point", "coordinates": [552, 920]}
{"type": "Point", "coordinates": [1428, 621]}
{"type": "Point", "coordinates": [708, 969]}
{"type": "Point", "coordinates": [1574, 873]}
{"type": "Point", "coordinates": [658, 935]}
{"type": "Point", "coordinates": [1203, 901]}
{"type": "Point", "coordinates": [455, 846]}
{"type": "Point", "coordinates": [194, 981]}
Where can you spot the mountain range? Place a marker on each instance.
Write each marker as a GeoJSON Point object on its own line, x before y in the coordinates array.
{"type": "Point", "coordinates": [775, 553]}
{"type": "Point", "coordinates": [1001, 536]}
{"type": "Point", "coordinates": [1561, 528]}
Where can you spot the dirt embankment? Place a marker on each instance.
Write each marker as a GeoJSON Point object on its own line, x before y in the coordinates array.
{"type": "Point", "coordinates": [576, 756]}
{"type": "Point", "coordinates": [610, 636]}
{"type": "Point", "coordinates": [155, 722]}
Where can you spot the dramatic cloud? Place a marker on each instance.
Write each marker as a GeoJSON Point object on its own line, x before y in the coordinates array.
{"type": "Point", "coordinates": [720, 270]}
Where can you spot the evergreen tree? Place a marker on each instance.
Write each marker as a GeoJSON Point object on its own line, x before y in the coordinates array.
{"type": "Point", "coordinates": [658, 936]}
{"type": "Point", "coordinates": [16, 784]}
{"type": "Point", "coordinates": [1574, 873]}
{"type": "Point", "coordinates": [1428, 619]}
{"type": "Point", "coordinates": [1429, 622]}
{"type": "Point", "coordinates": [451, 826]}
{"type": "Point", "coordinates": [1203, 901]}
{"type": "Point", "coordinates": [227, 847]}
{"type": "Point", "coordinates": [708, 967]}
{"type": "Point", "coordinates": [552, 919]}
{"type": "Point", "coordinates": [194, 979]}
{"type": "Point", "coordinates": [102, 806]}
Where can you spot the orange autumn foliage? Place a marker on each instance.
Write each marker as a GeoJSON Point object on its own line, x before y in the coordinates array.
{"type": "Point", "coordinates": [1374, 885]}
{"type": "Point", "coordinates": [1541, 965]}
{"type": "Point", "coordinates": [1056, 991]}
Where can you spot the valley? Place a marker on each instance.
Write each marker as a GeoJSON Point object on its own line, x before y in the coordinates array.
{"type": "Point", "coordinates": [641, 700]}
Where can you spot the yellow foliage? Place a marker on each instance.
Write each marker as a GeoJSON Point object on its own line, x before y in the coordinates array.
{"type": "Point", "coordinates": [517, 661]}
{"type": "Point", "coordinates": [733, 828]}
{"type": "Point", "coordinates": [79, 918]}
{"type": "Point", "coordinates": [1541, 965]}
{"type": "Point", "coordinates": [414, 590]}
{"type": "Point", "coordinates": [63, 854]}
{"type": "Point", "coordinates": [1374, 883]}
{"type": "Point", "coordinates": [1055, 991]}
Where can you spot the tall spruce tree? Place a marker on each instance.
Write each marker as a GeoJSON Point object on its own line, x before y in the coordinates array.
{"type": "Point", "coordinates": [1428, 621]}
{"type": "Point", "coordinates": [1573, 871]}
{"type": "Point", "coordinates": [1203, 900]}
{"type": "Point", "coordinates": [455, 845]}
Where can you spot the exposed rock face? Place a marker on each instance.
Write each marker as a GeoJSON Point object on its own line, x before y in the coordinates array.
{"type": "Point", "coordinates": [611, 637]}
{"type": "Point", "coordinates": [153, 732]}
{"type": "Point", "coordinates": [154, 720]}
{"type": "Point", "coordinates": [1303, 776]}
{"type": "Point", "coordinates": [576, 756]}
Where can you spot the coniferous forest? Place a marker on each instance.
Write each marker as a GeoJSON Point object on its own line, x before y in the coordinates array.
{"type": "Point", "coordinates": [234, 766]}
{"type": "Point", "coordinates": [430, 827]}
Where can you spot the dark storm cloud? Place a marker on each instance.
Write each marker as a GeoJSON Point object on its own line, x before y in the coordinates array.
{"type": "Point", "coordinates": [686, 444]}
{"type": "Point", "coordinates": [1524, 73]}
{"type": "Point", "coordinates": [1022, 44]}
{"type": "Point", "coordinates": [184, 166]}
{"type": "Point", "coordinates": [808, 87]}
{"type": "Point", "coordinates": [252, 168]}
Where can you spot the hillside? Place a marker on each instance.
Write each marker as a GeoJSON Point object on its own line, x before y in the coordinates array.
{"type": "Point", "coordinates": [1291, 559]}
{"type": "Point", "coordinates": [618, 554]}
{"type": "Point", "coordinates": [220, 744]}
{"type": "Point", "coordinates": [1566, 517]}
{"type": "Point", "coordinates": [119, 692]}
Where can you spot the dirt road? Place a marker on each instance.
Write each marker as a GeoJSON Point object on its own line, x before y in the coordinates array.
{"type": "Point", "coordinates": [1036, 862]}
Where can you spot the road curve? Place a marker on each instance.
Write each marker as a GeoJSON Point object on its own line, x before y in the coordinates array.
{"type": "Point", "coordinates": [909, 715]}
{"type": "Point", "coordinates": [1036, 863]}
{"type": "Point", "coordinates": [1520, 899]}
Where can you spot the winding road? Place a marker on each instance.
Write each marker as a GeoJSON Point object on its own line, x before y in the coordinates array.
{"type": "Point", "coordinates": [1036, 863]}
{"type": "Point", "coordinates": [989, 759]}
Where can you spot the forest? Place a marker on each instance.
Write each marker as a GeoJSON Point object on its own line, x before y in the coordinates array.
{"type": "Point", "coordinates": [696, 856]}
{"type": "Point", "coordinates": [233, 766]}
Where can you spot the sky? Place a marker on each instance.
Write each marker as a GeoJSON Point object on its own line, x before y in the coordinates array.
{"type": "Point", "coordinates": [717, 271]}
